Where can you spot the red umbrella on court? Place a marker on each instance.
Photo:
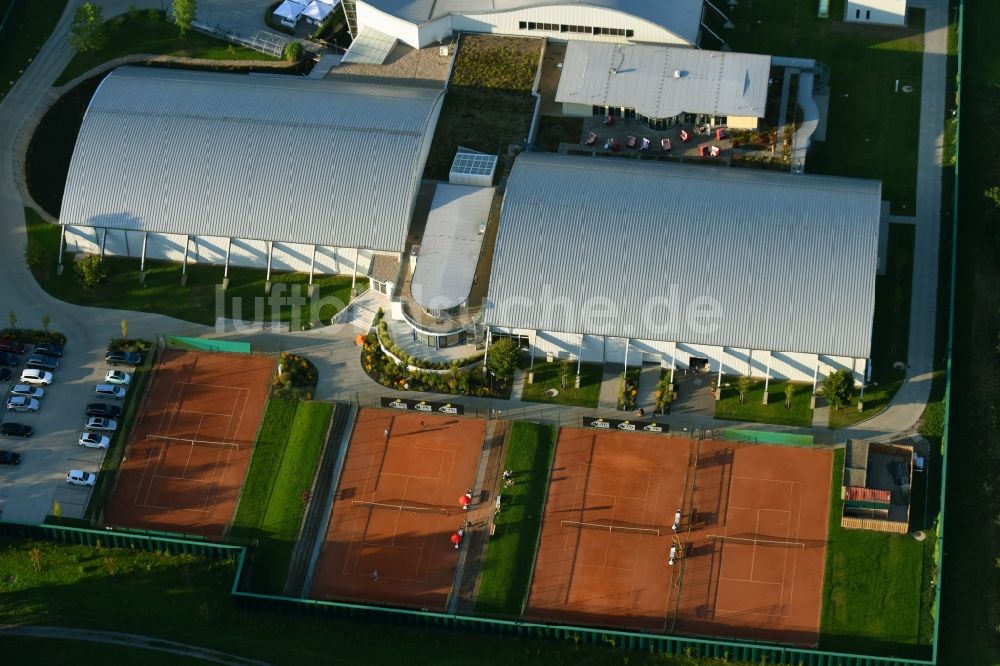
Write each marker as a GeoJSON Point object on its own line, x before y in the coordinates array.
{"type": "Point", "coordinates": [464, 501]}
{"type": "Point", "coordinates": [456, 539]}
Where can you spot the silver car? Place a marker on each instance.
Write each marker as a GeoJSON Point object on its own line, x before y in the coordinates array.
{"type": "Point", "coordinates": [20, 403]}
{"type": "Point", "coordinates": [77, 477]}
{"type": "Point", "coordinates": [101, 424]}
{"type": "Point", "coordinates": [27, 391]}
{"type": "Point", "coordinates": [93, 440]}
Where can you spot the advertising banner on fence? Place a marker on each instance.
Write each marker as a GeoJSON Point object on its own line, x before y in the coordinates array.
{"type": "Point", "coordinates": [407, 404]}
{"type": "Point", "coordinates": [625, 425]}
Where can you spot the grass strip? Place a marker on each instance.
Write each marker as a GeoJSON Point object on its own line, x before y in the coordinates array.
{"type": "Point", "coordinates": [547, 377]}
{"type": "Point", "coordinates": [754, 410]}
{"type": "Point", "coordinates": [271, 506]}
{"type": "Point", "coordinates": [872, 597]}
{"type": "Point", "coordinates": [507, 568]}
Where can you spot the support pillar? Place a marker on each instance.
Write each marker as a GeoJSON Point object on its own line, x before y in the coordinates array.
{"type": "Point", "coordinates": [673, 365]}
{"type": "Point", "coordinates": [312, 272]}
{"type": "Point", "coordinates": [486, 354]}
{"type": "Point", "coordinates": [861, 396]}
{"type": "Point", "coordinates": [62, 249]}
{"type": "Point", "coordinates": [812, 400]}
{"type": "Point", "coordinates": [718, 382]}
{"type": "Point", "coordinates": [267, 280]}
{"type": "Point", "coordinates": [142, 261]}
{"type": "Point", "coordinates": [767, 377]}
{"type": "Point", "coordinates": [104, 241]}
{"type": "Point", "coordinates": [184, 266]}
{"type": "Point", "coordinates": [354, 273]}
{"type": "Point", "coordinates": [225, 271]}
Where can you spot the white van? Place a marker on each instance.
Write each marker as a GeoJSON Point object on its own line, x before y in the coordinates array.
{"type": "Point", "coordinates": [110, 391]}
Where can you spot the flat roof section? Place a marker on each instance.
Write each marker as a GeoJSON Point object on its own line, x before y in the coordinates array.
{"type": "Point", "coordinates": [662, 81]}
{"type": "Point", "coordinates": [450, 247]}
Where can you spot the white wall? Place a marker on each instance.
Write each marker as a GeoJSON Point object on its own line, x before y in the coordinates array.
{"type": "Point", "coordinates": [891, 12]}
{"type": "Point", "coordinates": [783, 365]}
{"type": "Point", "coordinates": [368, 16]}
{"type": "Point", "coordinates": [212, 250]}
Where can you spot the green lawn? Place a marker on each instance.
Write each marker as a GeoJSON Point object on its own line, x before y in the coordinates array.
{"type": "Point", "coordinates": [284, 462]}
{"type": "Point", "coordinates": [181, 598]}
{"type": "Point", "coordinates": [547, 377]}
{"type": "Point", "coordinates": [510, 554]}
{"type": "Point", "coordinates": [754, 410]}
{"type": "Point", "coordinates": [196, 301]}
{"type": "Point", "coordinates": [149, 32]}
{"type": "Point", "coordinates": [872, 591]}
{"type": "Point", "coordinates": [890, 330]}
{"type": "Point", "coordinates": [872, 130]}
{"type": "Point", "coordinates": [24, 27]}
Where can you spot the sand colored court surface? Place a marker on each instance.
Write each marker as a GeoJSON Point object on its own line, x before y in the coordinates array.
{"type": "Point", "coordinates": [190, 446]}
{"type": "Point", "coordinates": [752, 535]}
{"type": "Point", "coordinates": [375, 551]}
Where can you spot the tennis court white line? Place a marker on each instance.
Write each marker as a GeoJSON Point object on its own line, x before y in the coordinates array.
{"type": "Point", "coordinates": [194, 411]}
{"type": "Point", "coordinates": [754, 508]}
{"type": "Point", "coordinates": [760, 478]}
{"type": "Point", "coordinates": [181, 478]}
{"type": "Point", "coordinates": [750, 580]}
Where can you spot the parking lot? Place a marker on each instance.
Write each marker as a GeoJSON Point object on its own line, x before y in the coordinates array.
{"type": "Point", "coordinates": [28, 490]}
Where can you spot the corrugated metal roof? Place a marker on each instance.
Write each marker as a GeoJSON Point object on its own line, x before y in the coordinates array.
{"type": "Point", "coordinates": [789, 260]}
{"type": "Point", "coordinates": [449, 248]}
{"type": "Point", "coordinates": [262, 157]}
{"type": "Point", "coordinates": [681, 17]}
{"type": "Point", "coordinates": [663, 81]}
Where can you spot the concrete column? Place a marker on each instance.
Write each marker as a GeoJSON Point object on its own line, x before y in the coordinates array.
{"type": "Point", "coordinates": [267, 280]}
{"type": "Point", "coordinates": [142, 261]}
{"type": "Point", "coordinates": [861, 396]}
{"type": "Point", "coordinates": [104, 241]}
{"type": "Point", "coordinates": [184, 266]}
{"type": "Point", "coordinates": [673, 365]}
{"type": "Point", "coordinates": [354, 272]}
{"type": "Point", "coordinates": [312, 266]}
{"type": "Point", "coordinates": [812, 401]}
{"type": "Point", "coordinates": [767, 377]}
{"type": "Point", "coordinates": [486, 354]}
{"type": "Point", "coordinates": [225, 271]}
{"type": "Point", "coordinates": [62, 249]}
{"type": "Point", "coordinates": [718, 383]}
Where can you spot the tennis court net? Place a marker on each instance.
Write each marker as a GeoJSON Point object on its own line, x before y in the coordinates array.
{"type": "Point", "coordinates": [768, 543]}
{"type": "Point", "coordinates": [209, 443]}
{"type": "Point", "coordinates": [611, 527]}
{"type": "Point", "coordinates": [407, 508]}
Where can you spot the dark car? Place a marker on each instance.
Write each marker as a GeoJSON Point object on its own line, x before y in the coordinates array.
{"type": "Point", "coordinates": [16, 430]}
{"type": "Point", "coordinates": [10, 458]}
{"type": "Point", "coordinates": [8, 360]}
{"type": "Point", "coordinates": [123, 358]}
{"type": "Point", "coordinates": [12, 346]}
{"type": "Point", "coordinates": [48, 349]}
{"type": "Point", "coordinates": [6, 375]}
{"type": "Point", "coordinates": [39, 362]}
{"type": "Point", "coordinates": [104, 409]}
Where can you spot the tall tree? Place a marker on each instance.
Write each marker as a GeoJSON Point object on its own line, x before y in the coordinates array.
{"type": "Point", "coordinates": [87, 32]}
{"type": "Point", "coordinates": [837, 388]}
{"type": "Point", "coordinates": [502, 358]}
{"type": "Point", "coordinates": [184, 14]}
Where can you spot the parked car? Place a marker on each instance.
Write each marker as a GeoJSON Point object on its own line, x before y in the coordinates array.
{"type": "Point", "coordinates": [12, 346]}
{"type": "Point", "coordinates": [9, 360]}
{"type": "Point", "coordinates": [48, 349]}
{"type": "Point", "coordinates": [104, 409]}
{"type": "Point", "coordinates": [110, 391]}
{"type": "Point", "coordinates": [28, 391]}
{"type": "Point", "coordinates": [10, 429]}
{"type": "Point", "coordinates": [6, 375]}
{"type": "Point", "coordinates": [19, 403]}
{"type": "Point", "coordinates": [10, 458]}
{"type": "Point", "coordinates": [77, 477]}
{"type": "Point", "coordinates": [93, 440]}
{"type": "Point", "coordinates": [40, 362]}
{"type": "Point", "coordinates": [117, 377]}
{"type": "Point", "coordinates": [101, 423]}
{"type": "Point", "coordinates": [123, 358]}
{"type": "Point", "coordinates": [36, 377]}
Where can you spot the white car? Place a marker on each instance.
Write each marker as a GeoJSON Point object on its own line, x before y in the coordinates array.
{"type": "Point", "coordinates": [19, 403]}
{"type": "Point", "coordinates": [77, 477]}
{"type": "Point", "coordinates": [117, 377]}
{"type": "Point", "coordinates": [28, 391]}
{"type": "Point", "coordinates": [36, 377]}
{"type": "Point", "coordinates": [101, 423]}
{"type": "Point", "coordinates": [92, 440]}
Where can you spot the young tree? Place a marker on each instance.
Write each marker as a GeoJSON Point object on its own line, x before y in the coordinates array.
{"type": "Point", "coordinates": [502, 358]}
{"type": "Point", "coordinates": [566, 370]}
{"type": "Point", "coordinates": [46, 320]}
{"type": "Point", "coordinates": [90, 271]}
{"type": "Point", "coordinates": [87, 33]}
{"type": "Point", "coordinates": [837, 388]}
{"type": "Point", "coordinates": [993, 194]}
{"type": "Point", "coordinates": [184, 14]}
{"type": "Point", "coordinates": [743, 385]}
{"type": "Point", "coordinates": [293, 51]}
{"type": "Point", "coordinates": [789, 394]}
{"type": "Point", "coordinates": [12, 318]}
{"type": "Point", "coordinates": [124, 329]}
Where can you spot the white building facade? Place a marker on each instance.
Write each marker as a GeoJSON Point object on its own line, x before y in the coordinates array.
{"type": "Point", "coordinates": [418, 23]}
{"type": "Point", "coordinates": [886, 12]}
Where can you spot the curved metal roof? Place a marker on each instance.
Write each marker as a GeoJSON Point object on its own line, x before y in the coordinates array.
{"type": "Point", "coordinates": [634, 249]}
{"type": "Point", "coordinates": [681, 17]}
{"type": "Point", "coordinates": [276, 158]}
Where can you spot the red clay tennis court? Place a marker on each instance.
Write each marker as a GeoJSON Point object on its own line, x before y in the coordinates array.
{"type": "Point", "coordinates": [396, 508]}
{"type": "Point", "coordinates": [606, 532]}
{"type": "Point", "coordinates": [757, 545]}
{"type": "Point", "coordinates": [190, 447]}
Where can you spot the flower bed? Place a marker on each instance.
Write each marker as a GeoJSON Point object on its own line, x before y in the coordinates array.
{"type": "Point", "coordinates": [130, 345]}
{"type": "Point", "coordinates": [629, 389]}
{"type": "Point", "coordinates": [30, 336]}
{"type": "Point", "coordinates": [296, 378]}
{"type": "Point", "coordinates": [412, 362]}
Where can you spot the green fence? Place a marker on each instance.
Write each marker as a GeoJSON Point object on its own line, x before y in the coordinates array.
{"type": "Point", "coordinates": [206, 344]}
{"type": "Point", "coordinates": [765, 437]}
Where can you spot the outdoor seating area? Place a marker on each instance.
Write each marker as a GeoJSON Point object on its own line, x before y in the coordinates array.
{"type": "Point", "coordinates": [615, 134]}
